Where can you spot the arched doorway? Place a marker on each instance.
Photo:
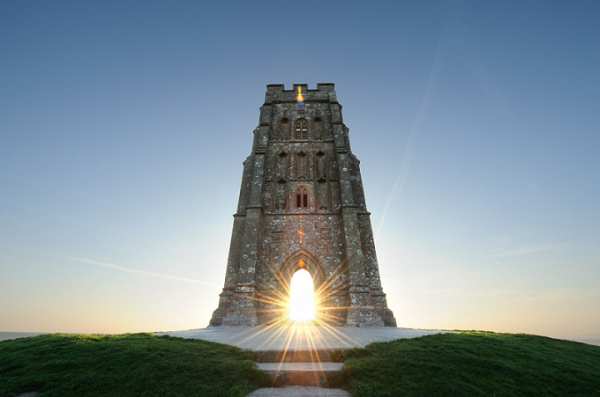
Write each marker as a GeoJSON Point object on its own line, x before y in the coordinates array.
{"type": "Point", "coordinates": [302, 265]}
{"type": "Point", "coordinates": [302, 297]}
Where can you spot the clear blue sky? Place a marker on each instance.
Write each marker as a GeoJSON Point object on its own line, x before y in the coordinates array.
{"type": "Point", "coordinates": [123, 126]}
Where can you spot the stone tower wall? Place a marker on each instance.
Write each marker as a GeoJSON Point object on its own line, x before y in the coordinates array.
{"type": "Point", "coordinates": [302, 205]}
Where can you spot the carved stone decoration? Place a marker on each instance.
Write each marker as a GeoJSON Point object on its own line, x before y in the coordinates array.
{"type": "Point", "coordinates": [282, 166]}
{"type": "Point", "coordinates": [318, 127]}
{"type": "Point", "coordinates": [302, 206]}
{"type": "Point", "coordinates": [301, 165]}
{"type": "Point", "coordinates": [280, 195]}
{"type": "Point", "coordinates": [284, 128]}
{"type": "Point", "coordinates": [321, 174]}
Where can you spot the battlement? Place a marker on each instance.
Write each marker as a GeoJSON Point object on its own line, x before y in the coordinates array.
{"type": "Point", "coordinates": [281, 88]}
{"type": "Point", "coordinates": [324, 93]}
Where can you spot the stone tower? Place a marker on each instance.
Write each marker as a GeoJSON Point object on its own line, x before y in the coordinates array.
{"type": "Point", "coordinates": [302, 206]}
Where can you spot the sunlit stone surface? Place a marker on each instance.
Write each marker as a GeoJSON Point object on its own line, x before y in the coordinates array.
{"type": "Point", "coordinates": [302, 207]}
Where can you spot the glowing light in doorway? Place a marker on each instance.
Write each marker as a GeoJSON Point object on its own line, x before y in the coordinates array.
{"type": "Point", "coordinates": [302, 297]}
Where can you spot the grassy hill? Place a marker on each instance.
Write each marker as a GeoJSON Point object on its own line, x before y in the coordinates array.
{"type": "Point", "coordinates": [463, 364]}
{"type": "Point", "coordinates": [125, 365]}
{"type": "Point", "coordinates": [475, 364]}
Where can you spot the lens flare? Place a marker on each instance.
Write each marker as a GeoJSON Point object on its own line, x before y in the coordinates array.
{"type": "Point", "coordinates": [302, 297]}
{"type": "Point", "coordinates": [300, 100]}
{"type": "Point", "coordinates": [300, 97]}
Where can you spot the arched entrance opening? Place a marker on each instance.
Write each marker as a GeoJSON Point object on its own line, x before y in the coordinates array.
{"type": "Point", "coordinates": [302, 297]}
{"type": "Point", "coordinates": [302, 265]}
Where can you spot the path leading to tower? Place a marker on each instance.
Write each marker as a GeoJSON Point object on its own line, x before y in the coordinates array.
{"type": "Point", "coordinates": [303, 358]}
{"type": "Point", "coordinates": [299, 338]}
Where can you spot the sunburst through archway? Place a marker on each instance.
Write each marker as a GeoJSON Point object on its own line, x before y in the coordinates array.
{"type": "Point", "coordinates": [302, 297]}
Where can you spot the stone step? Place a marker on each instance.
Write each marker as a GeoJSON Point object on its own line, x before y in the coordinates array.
{"type": "Point", "coordinates": [299, 391]}
{"type": "Point", "coordinates": [301, 374]}
{"type": "Point", "coordinates": [322, 367]}
{"type": "Point", "coordinates": [300, 356]}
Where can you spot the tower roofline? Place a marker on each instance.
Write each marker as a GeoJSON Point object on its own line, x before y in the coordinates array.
{"type": "Point", "coordinates": [281, 87]}
{"type": "Point", "coordinates": [276, 93]}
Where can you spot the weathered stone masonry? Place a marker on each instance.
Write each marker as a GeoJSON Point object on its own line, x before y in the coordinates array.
{"type": "Point", "coordinates": [302, 205]}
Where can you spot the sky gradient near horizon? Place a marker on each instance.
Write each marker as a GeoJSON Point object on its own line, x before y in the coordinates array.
{"type": "Point", "coordinates": [123, 126]}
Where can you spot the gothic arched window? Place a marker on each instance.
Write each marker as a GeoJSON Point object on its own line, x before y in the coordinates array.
{"type": "Point", "coordinates": [301, 129]}
{"type": "Point", "coordinates": [302, 197]}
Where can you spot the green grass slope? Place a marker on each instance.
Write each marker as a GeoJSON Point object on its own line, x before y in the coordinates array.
{"type": "Point", "coordinates": [125, 365]}
{"type": "Point", "coordinates": [474, 364]}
